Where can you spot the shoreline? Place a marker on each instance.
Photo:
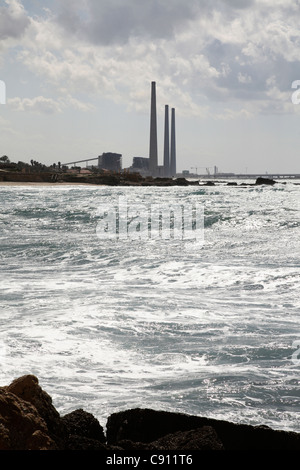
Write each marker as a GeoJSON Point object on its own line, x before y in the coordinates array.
{"type": "Point", "coordinates": [25, 406]}
{"type": "Point", "coordinates": [18, 179]}
{"type": "Point", "coordinates": [33, 183]}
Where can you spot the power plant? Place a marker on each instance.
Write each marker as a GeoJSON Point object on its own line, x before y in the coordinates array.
{"type": "Point", "coordinates": [146, 166]}
{"type": "Point", "coordinates": [167, 144]}
{"type": "Point", "coordinates": [153, 163]}
{"type": "Point", "coordinates": [168, 169]}
{"type": "Point", "coordinates": [173, 146]}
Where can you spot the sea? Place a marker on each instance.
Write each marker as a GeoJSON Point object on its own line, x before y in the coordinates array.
{"type": "Point", "coordinates": [205, 324]}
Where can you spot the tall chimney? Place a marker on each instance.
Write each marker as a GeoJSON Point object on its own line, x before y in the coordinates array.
{"type": "Point", "coordinates": [167, 144]}
{"type": "Point", "coordinates": [153, 133]}
{"type": "Point", "coordinates": [173, 145]}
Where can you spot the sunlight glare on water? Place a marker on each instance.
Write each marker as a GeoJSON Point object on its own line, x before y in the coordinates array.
{"type": "Point", "coordinates": [107, 325]}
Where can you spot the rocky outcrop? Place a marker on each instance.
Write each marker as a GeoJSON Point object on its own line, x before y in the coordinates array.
{"type": "Point", "coordinates": [28, 390]}
{"type": "Point", "coordinates": [268, 181]}
{"type": "Point", "coordinates": [19, 177]}
{"type": "Point", "coordinates": [21, 425]}
{"type": "Point", "coordinates": [83, 431]}
{"type": "Point", "coordinates": [150, 426]}
{"type": "Point", "coordinates": [29, 421]}
{"type": "Point", "coordinates": [204, 438]}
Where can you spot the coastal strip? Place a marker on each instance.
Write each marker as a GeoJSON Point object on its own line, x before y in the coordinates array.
{"type": "Point", "coordinates": [29, 421]}
{"type": "Point", "coordinates": [119, 179]}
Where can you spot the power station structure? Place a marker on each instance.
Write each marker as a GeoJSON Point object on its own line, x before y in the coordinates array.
{"type": "Point", "coordinates": [173, 146]}
{"type": "Point", "coordinates": [168, 169]}
{"type": "Point", "coordinates": [146, 166]}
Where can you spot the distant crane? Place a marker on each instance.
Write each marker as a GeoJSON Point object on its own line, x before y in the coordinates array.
{"type": "Point", "coordinates": [196, 168]}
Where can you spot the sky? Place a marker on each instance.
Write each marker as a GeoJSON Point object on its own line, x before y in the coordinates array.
{"type": "Point", "coordinates": [78, 79]}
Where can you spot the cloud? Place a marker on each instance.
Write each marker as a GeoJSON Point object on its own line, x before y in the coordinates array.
{"type": "Point", "coordinates": [239, 3]}
{"type": "Point", "coordinates": [200, 55]}
{"type": "Point", "coordinates": [13, 20]}
{"type": "Point", "coordinates": [43, 105]}
{"type": "Point", "coordinates": [38, 104]}
{"type": "Point", "coordinates": [115, 21]}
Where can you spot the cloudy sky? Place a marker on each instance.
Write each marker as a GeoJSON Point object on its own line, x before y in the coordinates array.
{"type": "Point", "coordinates": [78, 77]}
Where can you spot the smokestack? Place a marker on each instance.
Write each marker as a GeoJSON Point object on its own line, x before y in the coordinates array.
{"type": "Point", "coordinates": [173, 145]}
{"type": "Point", "coordinates": [153, 132]}
{"type": "Point", "coordinates": [167, 144]}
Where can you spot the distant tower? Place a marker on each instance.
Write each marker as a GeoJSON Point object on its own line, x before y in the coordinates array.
{"type": "Point", "coordinates": [167, 144]}
{"type": "Point", "coordinates": [173, 145]}
{"type": "Point", "coordinates": [153, 133]}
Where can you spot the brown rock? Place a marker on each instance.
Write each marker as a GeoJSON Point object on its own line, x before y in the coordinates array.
{"type": "Point", "coordinates": [83, 424]}
{"type": "Point", "coordinates": [27, 388]}
{"type": "Point", "coordinates": [29, 421]}
{"type": "Point", "coordinates": [21, 426]}
{"type": "Point", "coordinates": [41, 441]}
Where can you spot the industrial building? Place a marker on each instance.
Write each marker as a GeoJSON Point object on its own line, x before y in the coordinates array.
{"type": "Point", "coordinates": [110, 161]}
{"type": "Point", "coordinates": [146, 166]}
{"type": "Point", "coordinates": [140, 165]}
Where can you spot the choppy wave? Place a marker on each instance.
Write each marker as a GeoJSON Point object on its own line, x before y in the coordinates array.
{"type": "Point", "coordinates": [205, 329]}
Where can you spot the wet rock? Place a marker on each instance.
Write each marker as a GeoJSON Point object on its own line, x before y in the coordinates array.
{"type": "Point", "coordinates": [75, 442]}
{"type": "Point", "coordinates": [204, 438]}
{"type": "Point", "coordinates": [28, 389]}
{"type": "Point", "coordinates": [21, 426]}
{"type": "Point", "coordinates": [181, 182]}
{"type": "Point", "coordinates": [82, 425]}
{"type": "Point", "coordinates": [29, 421]}
{"type": "Point", "coordinates": [148, 426]}
{"type": "Point", "coordinates": [268, 181]}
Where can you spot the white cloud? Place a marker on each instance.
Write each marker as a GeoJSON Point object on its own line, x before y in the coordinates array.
{"type": "Point", "coordinates": [43, 105]}
{"type": "Point", "coordinates": [115, 21]}
{"type": "Point", "coordinates": [13, 20]}
{"type": "Point", "coordinates": [198, 53]}
{"type": "Point", "coordinates": [85, 63]}
{"type": "Point", "coordinates": [244, 78]}
{"type": "Point", "coordinates": [38, 104]}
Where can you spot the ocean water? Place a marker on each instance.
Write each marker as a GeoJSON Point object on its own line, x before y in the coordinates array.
{"type": "Point", "coordinates": [209, 329]}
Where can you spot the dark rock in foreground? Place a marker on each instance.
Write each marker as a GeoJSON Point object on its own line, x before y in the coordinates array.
{"type": "Point", "coordinates": [83, 430]}
{"type": "Point", "coordinates": [29, 421]}
{"type": "Point", "coordinates": [204, 438]}
{"type": "Point", "coordinates": [142, 425]}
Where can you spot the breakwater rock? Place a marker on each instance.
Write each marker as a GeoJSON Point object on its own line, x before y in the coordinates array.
{"type": "Point", "coordinates": [117, 179]}
{"type": "Point", "coordinates": [262, 180]}
{"type": "Point", "coordinates": [29, 421]}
